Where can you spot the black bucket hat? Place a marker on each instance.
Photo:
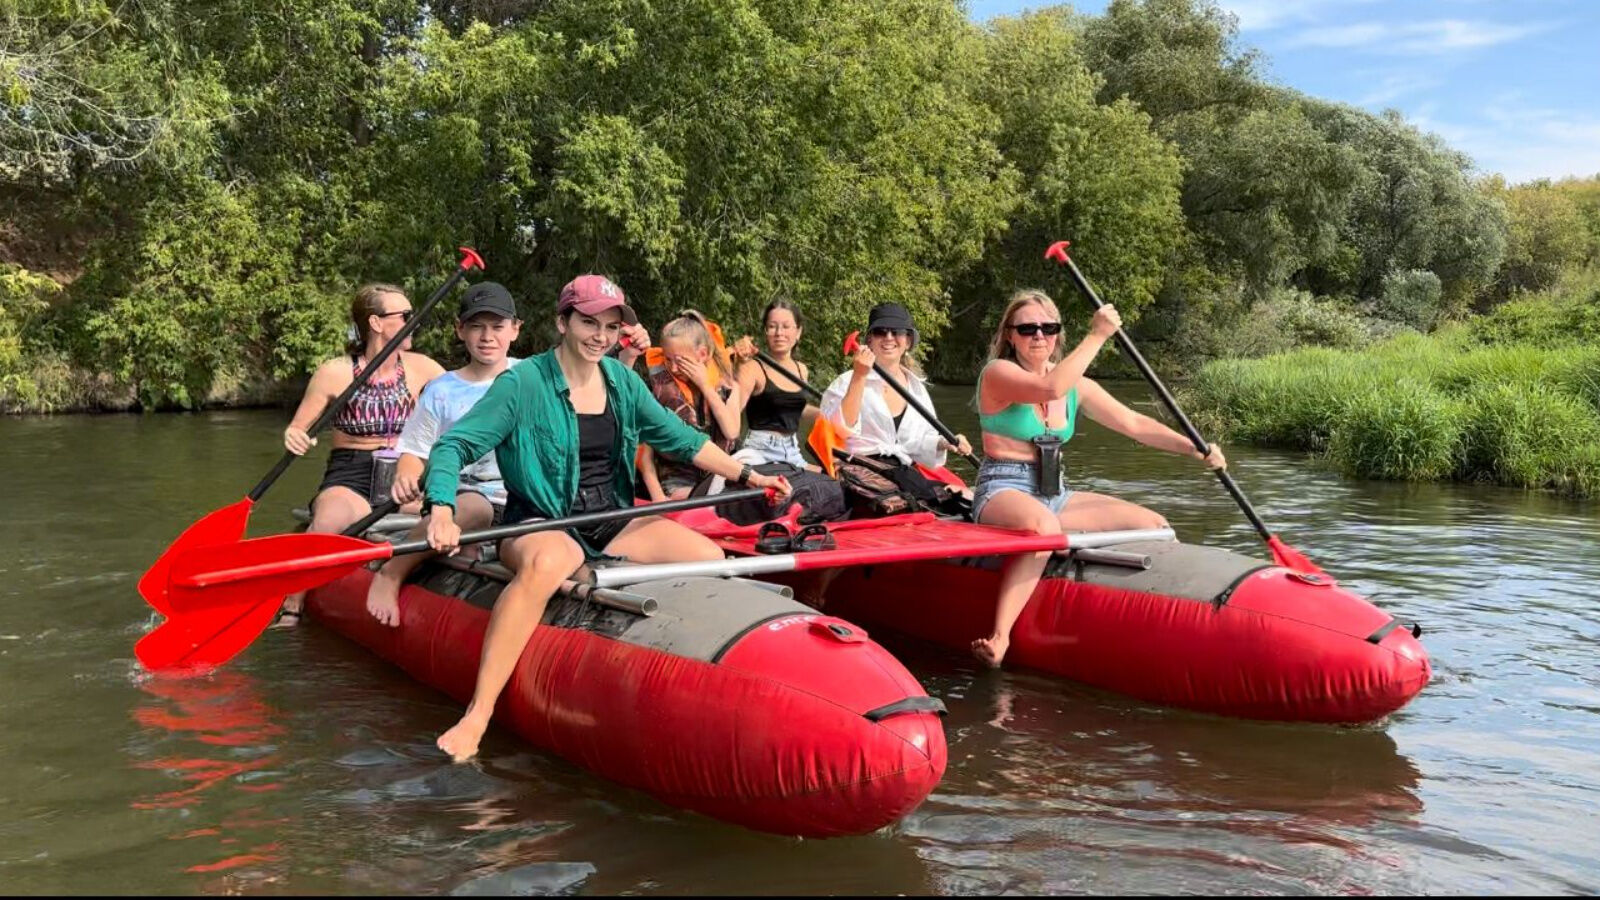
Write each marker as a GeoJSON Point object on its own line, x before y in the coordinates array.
{"type": "Point", "coordinates": [891, 315]}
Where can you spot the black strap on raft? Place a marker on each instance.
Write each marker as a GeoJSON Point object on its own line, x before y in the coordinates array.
{"type": "Point", "coordinates": [1377, 636]}
{"type": "Point", "coordinates": [908, 705]}
{"type": "Point", "coordinates": [1221, 599]}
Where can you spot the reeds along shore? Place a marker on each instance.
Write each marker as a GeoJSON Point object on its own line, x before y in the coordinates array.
{"type": "Point", "coordinates": [1512, 399]}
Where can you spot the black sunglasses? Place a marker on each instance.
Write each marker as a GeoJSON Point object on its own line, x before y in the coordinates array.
{"type": "Point", "coordinates": [404, 314]}
{"type": "Point", "coordinates": [1029, 329]}
{"type": "Point", "coordinates": [881, 332]}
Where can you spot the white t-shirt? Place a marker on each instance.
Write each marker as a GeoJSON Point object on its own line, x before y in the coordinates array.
{"type": "Point", "coordinates": [443, 402]}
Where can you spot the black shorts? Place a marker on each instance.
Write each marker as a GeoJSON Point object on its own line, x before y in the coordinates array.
{"type": "Point", "coordinates": [593, 538]}
{"type": "Point", "coordinates": [348, 469]}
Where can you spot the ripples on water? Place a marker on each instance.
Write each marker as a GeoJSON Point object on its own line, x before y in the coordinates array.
{"type": "Point", "coordinates": [307, 765]}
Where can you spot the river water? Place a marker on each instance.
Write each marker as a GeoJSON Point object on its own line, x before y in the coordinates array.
{"type": "Point", "coordinates": [306, 765]}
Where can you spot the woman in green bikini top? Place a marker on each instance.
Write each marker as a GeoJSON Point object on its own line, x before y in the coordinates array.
{"type": "Point", "coordinates": [1028, 401]}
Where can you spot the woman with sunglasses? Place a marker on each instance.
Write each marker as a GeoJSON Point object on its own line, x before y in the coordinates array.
{"type": "Point", "coordinates": [1028, 399]}
{"type": "Point", "coordinates": [371, 421]}
{"type": "Point", "coordinates": [876, 421]}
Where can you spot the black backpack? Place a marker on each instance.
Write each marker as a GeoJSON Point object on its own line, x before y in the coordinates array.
{"type": "Point", "coordinates": [821, 498]}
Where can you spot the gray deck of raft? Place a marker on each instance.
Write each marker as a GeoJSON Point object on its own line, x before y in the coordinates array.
{"type": "Point", "coordinates": [699, 618]}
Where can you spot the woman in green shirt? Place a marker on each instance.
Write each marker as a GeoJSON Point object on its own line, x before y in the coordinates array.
{"type": "Point", "coordinates": [1028, 401]}
{"type": "Point", "coordinates": [565, 426]}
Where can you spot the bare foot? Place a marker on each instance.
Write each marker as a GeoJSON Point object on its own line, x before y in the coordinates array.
{"type": "Point", "coordinates": [461, 741]}
{"type": "Point", "coordinates": [383, 599]}
{"type": "Point", "coordinates": [289, 613]}
{"type": "Point", "coordinates": [990, 650]}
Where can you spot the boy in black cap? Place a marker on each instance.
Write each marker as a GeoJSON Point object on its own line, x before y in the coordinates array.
{"type": "Point", "coordinates": [487, 324]}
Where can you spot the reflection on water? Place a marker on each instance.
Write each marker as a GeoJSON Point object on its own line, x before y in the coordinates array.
{"type": "Point", "coordinates": [212, 735]}
{"type": "Point", "coordinates": [1047, 772]}
{"type": "Point", "coordinates": [308, 766]}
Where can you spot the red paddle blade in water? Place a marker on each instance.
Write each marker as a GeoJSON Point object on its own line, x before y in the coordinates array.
{"type": "Point", "coordinates": [1290, 558]}
{"type": "Point", "coordinates": [221, 526]}
{"type": "Point", "coordinates": [247, 572]}
{"type": "Point", "coordinates": [203, 640]}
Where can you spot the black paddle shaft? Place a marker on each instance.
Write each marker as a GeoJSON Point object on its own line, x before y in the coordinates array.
{"type": "Point", "coordinates": [583, 520]}
{"type": "Point", "coordinates": [1149, 374]}
{"type": "Point", "coordinates": [360, 381]}
{"type": "Point", "coordinates": [926, 413]}
{"type": "Point", "coordinates": [792, 376]}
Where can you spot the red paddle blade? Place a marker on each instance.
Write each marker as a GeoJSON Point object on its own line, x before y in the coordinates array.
{"type": "Point", "coordinates": [253, 571]}
{"type": "Point", "coordinates": [944, 475]}
{"type": "Point", "coordinates": [206, 639]}
{"type": "Point", "coordinates": [1290, 558]}
{"type": "Point", "coordinates": [221, 526]}
{"type": "Point", "coordinates": [852, 343]}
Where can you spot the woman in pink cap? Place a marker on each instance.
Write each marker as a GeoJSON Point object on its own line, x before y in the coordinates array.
{"type": "Point", "coordinates": [565, 426]}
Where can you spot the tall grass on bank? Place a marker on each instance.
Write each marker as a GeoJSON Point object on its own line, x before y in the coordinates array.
{"type": "Point", "coordinates": [1420, 408]}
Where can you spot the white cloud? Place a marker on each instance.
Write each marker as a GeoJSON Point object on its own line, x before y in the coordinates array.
{"type": "Point", "coordinates": [1414, 38]}
{"type": "Point", "coordinates": [1523, 142]}
{"type": "Point", "coordinates": [1393, 86]}
{"type": "Point", "coordinates": [1263, 15]}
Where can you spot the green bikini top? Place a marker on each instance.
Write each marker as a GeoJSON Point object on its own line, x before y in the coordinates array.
{"type": "Point", "coordinates": [1021, 420]}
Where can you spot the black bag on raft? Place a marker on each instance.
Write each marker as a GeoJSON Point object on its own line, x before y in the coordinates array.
{"type": "Point", "coordinates": [821, 498]}
{"type": "Point", "coordinates": [877, 487]}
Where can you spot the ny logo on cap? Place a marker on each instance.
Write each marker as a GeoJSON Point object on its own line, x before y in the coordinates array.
{"type": "Point", "coordinates": [607, 289]}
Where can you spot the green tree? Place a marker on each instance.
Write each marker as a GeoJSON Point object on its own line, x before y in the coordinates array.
{"type": "Point", "coordinates": [1088, 173]}
{"type": "Point", "coordinates": [1263, 190]}
{"type": "Point", "coordinates": [1547, 236]}
{"type": "Point", "coordinates": [85, 86]}
{"type": "Point", "coordinates": [1416, 205]}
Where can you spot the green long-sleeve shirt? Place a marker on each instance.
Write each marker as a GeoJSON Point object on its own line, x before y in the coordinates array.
{"type": "Point", "coordinates": [527, 418]}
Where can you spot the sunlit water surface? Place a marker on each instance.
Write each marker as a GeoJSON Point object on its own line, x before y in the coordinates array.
{"type": "Point", "coordinates": [306, 765]}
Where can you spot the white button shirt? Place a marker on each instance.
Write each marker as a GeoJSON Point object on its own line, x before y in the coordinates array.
{"type": "Point", "coordinates": [875, 434]}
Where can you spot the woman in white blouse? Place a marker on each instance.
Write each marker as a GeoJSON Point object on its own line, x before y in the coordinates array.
{"type": "Point", "coordinates": [875, 419]}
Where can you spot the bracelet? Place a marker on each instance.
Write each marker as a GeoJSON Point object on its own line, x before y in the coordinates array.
{"type": "Point", "coordinates": [744, 474]}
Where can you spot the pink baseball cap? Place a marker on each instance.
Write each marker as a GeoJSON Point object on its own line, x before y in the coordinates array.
{"type": "Point", "coordinates": [594, 294]}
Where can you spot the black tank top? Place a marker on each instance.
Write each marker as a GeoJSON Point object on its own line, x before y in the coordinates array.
{"type": "Point", "coordinates": [774, 409]}
{"type": "Point", "coordinates": [597, 436]}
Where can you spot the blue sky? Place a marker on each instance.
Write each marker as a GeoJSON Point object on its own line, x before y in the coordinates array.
{"type": "Point", "coordinates": [1513, 83]}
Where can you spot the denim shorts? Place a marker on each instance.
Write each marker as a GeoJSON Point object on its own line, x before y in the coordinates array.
{"type": "Point", "coordinates": [762, 447]}
{"type": "Point", "coordinates": [995, 476]}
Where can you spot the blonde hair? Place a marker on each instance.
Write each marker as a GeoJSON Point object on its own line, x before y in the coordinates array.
{"type": "Point", "coordinates": [368, 302]}
{"type": "Point", "coordinates": [1001, 347]}
{"type": "Point", "coordinates": [691, 324]}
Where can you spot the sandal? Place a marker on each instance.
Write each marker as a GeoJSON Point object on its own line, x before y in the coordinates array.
{"type": "Point", "coordinates": [774, 537]}
{"type": "Point", "coordinates": [811, 538]}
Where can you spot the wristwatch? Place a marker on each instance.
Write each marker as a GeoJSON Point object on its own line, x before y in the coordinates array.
{"type": "Point", "coordinates": [745, 473]}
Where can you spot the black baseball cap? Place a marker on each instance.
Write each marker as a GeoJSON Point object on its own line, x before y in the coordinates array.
{"type": "Point", "coordinates": [487, 297]}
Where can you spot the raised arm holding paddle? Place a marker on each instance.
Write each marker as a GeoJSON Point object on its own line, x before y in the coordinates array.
{"type": "Point", "coordinates": [227, 525]}
{"type": "Point", "coordinates": [1282, 554]}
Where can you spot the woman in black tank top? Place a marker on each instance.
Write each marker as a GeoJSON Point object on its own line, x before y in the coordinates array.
{"type": "Point", "coordinates": [777, 405]}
